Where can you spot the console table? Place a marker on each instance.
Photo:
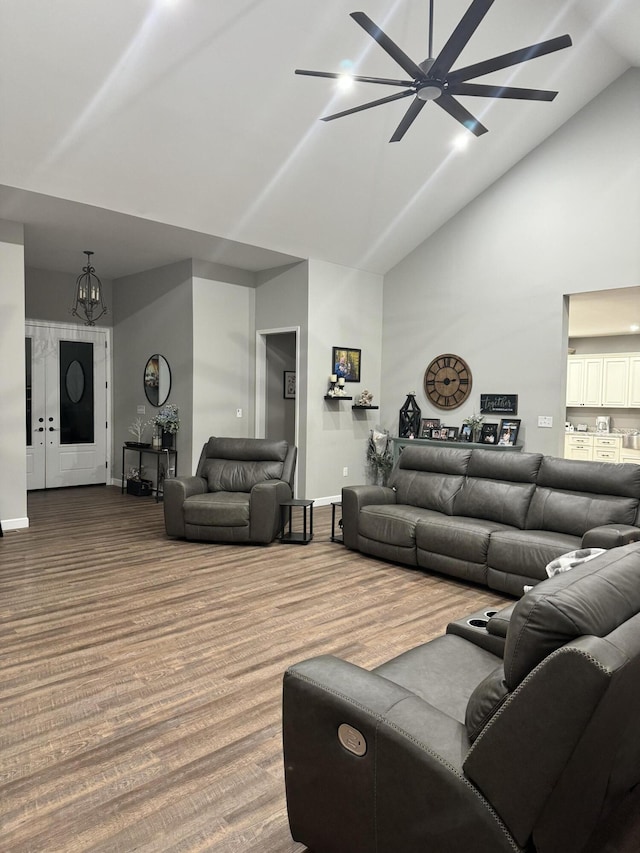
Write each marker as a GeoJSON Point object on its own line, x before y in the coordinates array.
{"type": "Point", "coordinates": [400, 443]}
{"type": "Point", "coordinates": [168, 453]}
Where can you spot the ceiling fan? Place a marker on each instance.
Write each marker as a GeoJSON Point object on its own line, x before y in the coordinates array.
{"type": "Point", "coordinates": [433, 79]}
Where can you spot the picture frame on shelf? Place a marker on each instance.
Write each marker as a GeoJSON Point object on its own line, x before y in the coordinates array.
{"type": "Point", "coordinates": [435, 433]}
{"type": "Point", "coordinates": [345, 363]}
{"type": "Point", "coordinates": [289, 385]}
{"type": "Point", "coordinates": [428, 424]}
{"type": "Point", "coordinates": [489, 434]}
{"type": "Point", "coordinates": [453, 433]}
{"type": "Point", "coordinates": [508, 432]}
{"type": "Point", "coordinates": [466, 433]}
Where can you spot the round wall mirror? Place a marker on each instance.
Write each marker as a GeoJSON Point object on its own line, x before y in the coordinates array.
{"type": "Point", "coordinates": [157, 380]}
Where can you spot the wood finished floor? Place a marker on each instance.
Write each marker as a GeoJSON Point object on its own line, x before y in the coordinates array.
{"type": "Point", "coordinates": [141, 676]}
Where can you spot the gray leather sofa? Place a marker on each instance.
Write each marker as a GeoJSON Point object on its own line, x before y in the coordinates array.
{"type": "Point", "coordinates": [489, 517]}
{"type": "Point", "coordinates": [236, 492]}
{"type": "Point", "coordinates": [450, 747]}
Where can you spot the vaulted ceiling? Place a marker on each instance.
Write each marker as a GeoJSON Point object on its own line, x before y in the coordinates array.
{"type": "Point", "coordinates": [153, 130]}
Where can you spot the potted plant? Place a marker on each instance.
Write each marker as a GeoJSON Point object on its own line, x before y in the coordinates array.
{"type": "Point", "coordinates": [168, 422]}
{"type": "Point", "coordinates": [136, 485]}
{"type": "Point", "coordinates": [379, 457]}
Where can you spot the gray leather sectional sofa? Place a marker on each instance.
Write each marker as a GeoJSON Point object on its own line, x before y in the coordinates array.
{"type": "Point", "coordinates": [492, 518]}
{"type": "Point", "coordinates": [450, 747]}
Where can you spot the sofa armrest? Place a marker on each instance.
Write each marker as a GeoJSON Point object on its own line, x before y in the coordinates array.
{"type": "Point", "coordinates": [498, 624]}
{"type": "Point", "coordinates": [610, 536]}
{"type": "Point", "coordinates": [406, 792]}
{"type": "Point", "coordinates": [264, 509]}
{"type": "Point", "coordinates": [176, 491]}
{"type": "Point", "coordinates": [353, 499]}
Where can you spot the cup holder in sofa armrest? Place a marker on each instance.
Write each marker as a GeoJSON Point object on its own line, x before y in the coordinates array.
{"type": "Point", "coordinates": [478, 623]}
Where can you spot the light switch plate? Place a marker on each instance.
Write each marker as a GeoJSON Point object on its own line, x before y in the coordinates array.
{"type": "Point", "coordinates": [545, 421]}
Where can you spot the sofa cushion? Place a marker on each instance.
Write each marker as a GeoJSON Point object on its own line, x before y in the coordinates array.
{"type": "Point", "coordinates": [528, 552]}
{"type": "Point", "coordinates": [462, 538]}
{"type": "Point", "coordinates": [592, 599]}
{"type": "Point", "coordinates": [498, 465]}
{"type": "Point", "coordinates": [485, 700]}
{"type": "Point", "coordinates": [217, 509]}
{"type": "Point", "coordinates": [495, 500]}
{"type": "Point", "coordinates": [233, 475]}
{"type": "Point", "coordinates": [602, 478]}
{"type": "Point", "coordinates": [390, 523]}
{"type": "Point", "coordinates": [429, 479]}
{"type": "Point", "coordinates": [575, 513]}
{"type": "Point", "coordinates": [453, 666]}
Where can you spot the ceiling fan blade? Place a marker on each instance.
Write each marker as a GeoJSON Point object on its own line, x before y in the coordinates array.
{"type": "Point", "coordinates": [479, 69]}
{"type": "Point", "coordinates": [482, 91]}
{"type": "Point", "coordinates": [387, 44]}
{"type": "Point", "coordinates": [457, 111]}
{"type": "Point", "coordinates": [370, 104]}
{"type": "Point", "coordinates": [408, 119]}
{"type": "Point", "coordinates": [459, 37]}
{"type": "Point", "coordinates": [338, 75]}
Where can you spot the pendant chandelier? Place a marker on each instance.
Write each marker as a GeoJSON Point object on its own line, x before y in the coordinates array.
{"type": "Point", "coordinates": [89, 303]}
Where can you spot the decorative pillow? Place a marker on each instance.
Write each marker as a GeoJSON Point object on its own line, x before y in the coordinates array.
{"type": "Point", "coordinates": [572, 559]}
{"type": "Point", "coordinates": [485, 700]}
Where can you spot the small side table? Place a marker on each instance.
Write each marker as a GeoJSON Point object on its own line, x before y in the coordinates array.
{"type": "Point", "coordinates": [335, 538]}
{"type": "Point", "coordinates": [290, 537]}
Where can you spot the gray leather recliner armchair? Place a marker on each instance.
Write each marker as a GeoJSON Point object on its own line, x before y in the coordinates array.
{"type": "Point", "coordinates": [236, 492]}
{"type": "Point", "coordinates": [451, 747]}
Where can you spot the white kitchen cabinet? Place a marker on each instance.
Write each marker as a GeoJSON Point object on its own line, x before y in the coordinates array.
{"type": "Point", "coordinates": [634, 381]}
{"type": "Point", "coordinates": [592, 447]}
{"type": "Point", "coordinates": [615, 381]}
{"type": "Point", "coordinates": [608, 380]}
{"type": "Point", "coordinates": [584, 380]}
{"type": "Point", "coordinates": [578, 445]}
{"type": "Point", "coordinates": [632, 456]}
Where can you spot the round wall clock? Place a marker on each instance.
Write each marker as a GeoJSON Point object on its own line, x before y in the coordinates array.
{"type": "Point", "coordinates": [447, 381]}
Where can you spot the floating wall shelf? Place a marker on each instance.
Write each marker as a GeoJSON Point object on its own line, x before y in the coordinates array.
{"type": "Point", "coordinates": [365, 407]}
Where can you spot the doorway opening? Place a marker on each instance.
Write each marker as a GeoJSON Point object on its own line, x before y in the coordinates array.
{"type": "Point", "coordinates": [277, 392]}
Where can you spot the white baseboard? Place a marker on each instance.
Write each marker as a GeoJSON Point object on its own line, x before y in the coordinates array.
{"type": "Point", "coordinates": [14, 524]}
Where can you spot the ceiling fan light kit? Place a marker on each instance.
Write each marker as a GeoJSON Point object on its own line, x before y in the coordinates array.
{"type": "Point", "coordinates": [433, 79]}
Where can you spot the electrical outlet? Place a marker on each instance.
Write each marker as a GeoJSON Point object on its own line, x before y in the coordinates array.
{"type": "Point", "coordinates": [238, 413]}
{"type": "Point", "coordinates": [545, 421]}
{"type": "Point", "coordinates": [141, 410]}
{"type": "Point", "coordinates": [345, 472]}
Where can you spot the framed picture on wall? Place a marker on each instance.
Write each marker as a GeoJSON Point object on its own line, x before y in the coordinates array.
{"type": "Point", "coordinates": [289, 389]}
{"type": "Point", "coordinates": [508, 432]}
{"type": "Point", "coordinates": [345, 363]}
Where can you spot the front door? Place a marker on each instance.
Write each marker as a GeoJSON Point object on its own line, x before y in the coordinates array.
{"type": "Point", "coordinates": [66, 405]}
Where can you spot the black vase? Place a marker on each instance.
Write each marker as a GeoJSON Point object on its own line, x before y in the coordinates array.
{"type": "Point", "coordinates": [167, 440]}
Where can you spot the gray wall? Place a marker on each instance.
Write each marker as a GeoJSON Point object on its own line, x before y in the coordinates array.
{"type": "Point", "coordinates": [223, 361]}
{"type": "Point", "coordinates": [490, 284]}
{"type": "Point", "coordinates": [152, 313]}
{"type": "Point", "coordinates": [49, 295]}
{"type": "Point", "coordinates": [345, 310]}
{"type": "Point", "coordinates": [13, 457]}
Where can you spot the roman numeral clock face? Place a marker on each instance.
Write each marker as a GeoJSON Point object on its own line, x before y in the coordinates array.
{"type": "Point", "coordinates": [447, 381]}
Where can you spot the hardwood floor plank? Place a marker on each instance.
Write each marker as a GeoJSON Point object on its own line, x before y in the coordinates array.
{"type": "Point", "coordinates": [142, 676]}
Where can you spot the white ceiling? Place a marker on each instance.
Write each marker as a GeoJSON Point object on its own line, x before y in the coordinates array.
{"type": "Point", "coordinates": [605, 312]}
{"type": "Point", "coordinates": [164, 129]}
